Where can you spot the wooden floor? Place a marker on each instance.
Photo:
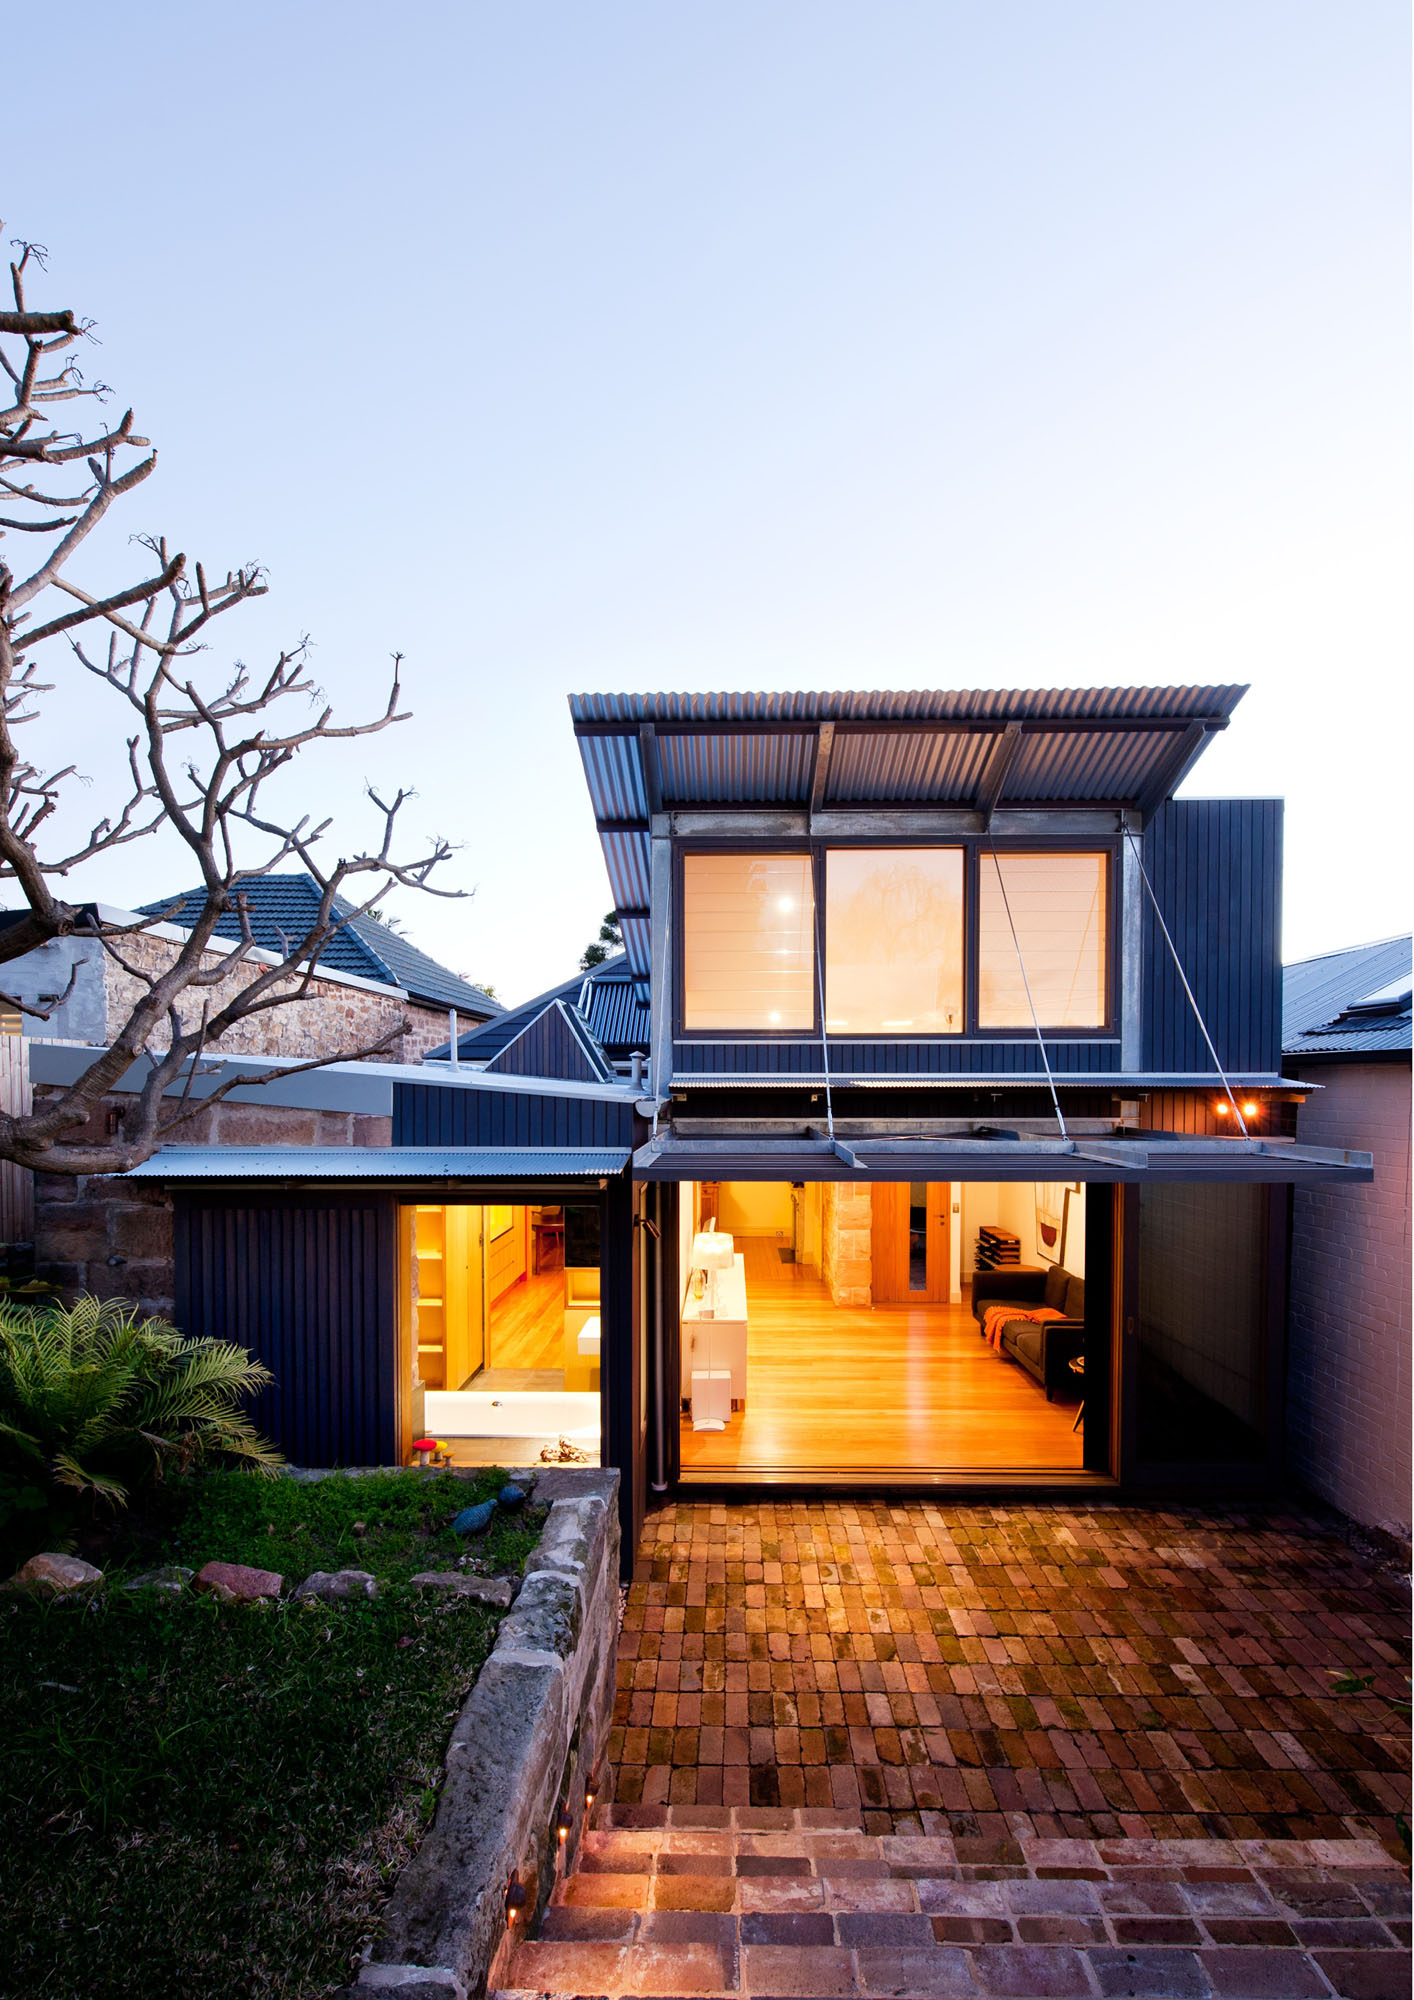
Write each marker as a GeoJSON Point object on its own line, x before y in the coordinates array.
{"type": "Point", "coordinates": [860, 1389]}
{"type": "Point", "coordinates": [527, 1334]}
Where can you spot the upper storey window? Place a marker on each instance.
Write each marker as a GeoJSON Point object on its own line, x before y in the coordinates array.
{"type": "Point", "coordinates": [894, 940]}
{"type": "Point", "coordinates": [748, 941]}
{"type": "Point", "coordinates": [1058, 906]}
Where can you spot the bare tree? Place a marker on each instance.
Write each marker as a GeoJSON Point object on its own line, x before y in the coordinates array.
{"type": "Point", "coordinates": [200, 759]}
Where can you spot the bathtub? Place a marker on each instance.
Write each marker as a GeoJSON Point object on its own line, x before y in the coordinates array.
{"type": "Point", "coordinates": [543, 1414]}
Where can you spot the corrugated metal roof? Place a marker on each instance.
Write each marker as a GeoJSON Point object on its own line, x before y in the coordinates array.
{"type": "Point", "coordinates": [928, 746]}
{"type": "Point", "coordinates": [1322, 1013]}
{"type": "Point", "coordinates": [378, 1163]}
{"type": "Point", "coordinates": [284, 907]}
{"type": "Point", "coordinates": [912, 705]}
{"type": "Point", "coordinates": [1116, 1082]}
{"type": "Point", "coordinates": [616, 1017]}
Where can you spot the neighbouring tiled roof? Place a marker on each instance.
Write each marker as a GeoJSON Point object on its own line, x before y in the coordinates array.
{"type": "Point", "coordinates": [1354, 1002]}
{"type": "Point", "coordinates": [284, 906]}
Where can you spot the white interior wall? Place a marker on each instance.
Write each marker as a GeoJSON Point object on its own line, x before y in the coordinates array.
{"type": "Point", "coordinates": [1012, 1205]}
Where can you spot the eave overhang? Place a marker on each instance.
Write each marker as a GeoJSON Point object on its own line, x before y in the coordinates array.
{"type": "Point", "coordinates": [478, 1167]}
{"type": "Point", "coordinates": [1150, 1157]}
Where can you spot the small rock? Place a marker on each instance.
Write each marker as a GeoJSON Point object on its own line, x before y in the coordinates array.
{"type": "Point", "coordinates": [170, 1581]}
{"type": "Point", "coordinates": [360, 1529]}
{"type": "Point", "coordinates": [234, 1583]}
{"type": "Point", "coordinates": [55, 1575]}
{"type": "Point", "coordinates": [330, 1586]}
{"type": "Point", "coordinates": [474, 1520]}
{"type": "Point", "coordinates": [495, 1590]}
{"type": "Point", "coordinates": [511, 1497]}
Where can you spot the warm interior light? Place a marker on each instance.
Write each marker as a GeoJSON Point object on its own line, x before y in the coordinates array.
{"type": "Point", "coordinates": [1221, 1110]}
{"type": "Point", "coordinates": [775, 1020]}
{"type": "Point", "coordinates": [785, 902]}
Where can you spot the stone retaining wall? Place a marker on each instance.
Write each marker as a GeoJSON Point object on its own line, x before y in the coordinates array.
{"type": "Point", "coordinates": [531, 1735]}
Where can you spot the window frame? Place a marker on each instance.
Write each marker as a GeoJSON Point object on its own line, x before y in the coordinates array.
{"type": "Point", "coordinates": [973, 846]}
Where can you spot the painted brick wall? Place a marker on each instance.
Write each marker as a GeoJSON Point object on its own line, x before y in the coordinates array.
{"type": "Point", "coordinates": [1348, 1379]}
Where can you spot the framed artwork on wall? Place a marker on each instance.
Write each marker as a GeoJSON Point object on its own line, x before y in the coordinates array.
{"type": "Point", "coordinates": [1052, 1214]}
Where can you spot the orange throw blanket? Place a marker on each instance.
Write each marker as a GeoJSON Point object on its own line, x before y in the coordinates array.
{"type": "Point", "coordinates": [994, 1318]}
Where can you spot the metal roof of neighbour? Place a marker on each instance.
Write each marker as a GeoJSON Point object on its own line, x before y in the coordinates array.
{"type": "Point", "coordinates": [1352, 1003]}
{"type": "Point", "coordinates": [614, 1012]}
{"type": "Point", "coordinates": [975, 749]}
{"type": "Point", "coordinates": [379, 1163]}
{"type": "Point", "coordinates": [283, 906]}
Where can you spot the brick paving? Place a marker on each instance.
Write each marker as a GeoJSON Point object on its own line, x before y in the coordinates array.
{"type": "Point", "coordinates": [1003, 1751]}
{"type": "Point", "coordinates": [1049, 1669]}
{"type": "Point", "coordinates": [750, 1901]}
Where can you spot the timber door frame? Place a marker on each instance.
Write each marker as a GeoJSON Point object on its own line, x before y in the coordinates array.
{"type": "Point", "coordinates": [886, 1252]}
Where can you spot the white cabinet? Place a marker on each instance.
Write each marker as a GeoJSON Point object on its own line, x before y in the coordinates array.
{"type": "Point", "coordinates": [720, 1342]}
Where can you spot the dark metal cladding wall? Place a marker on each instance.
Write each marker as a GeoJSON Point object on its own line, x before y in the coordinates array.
{"type": "Point", "coordinates": [1216, 869]}
{"type": "Point", "coordinates": [546, 1048]}
{"type": "Point", "coordinates": [424, 1115]}
{"type": "Point", "coordinates": [309, 1285]}
{"type": "Point", "coordinates": [1011, 1058]}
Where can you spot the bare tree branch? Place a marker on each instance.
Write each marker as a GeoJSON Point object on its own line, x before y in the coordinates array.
{"type": "Point", "coordinates": [202, 763]}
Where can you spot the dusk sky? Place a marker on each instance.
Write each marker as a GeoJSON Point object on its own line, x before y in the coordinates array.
{"type": "Point", "coordinates": [785, 345]}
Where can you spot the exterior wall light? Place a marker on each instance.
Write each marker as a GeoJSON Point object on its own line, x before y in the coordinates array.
{"type": "Point", "coordinates": [515, 1897]}
{"type": "Point", "coordinates": [1222, 1107]}
{"type": "Point", "coordinates": [1250, 1110]}
{"type": "Point", "coordinates": [564, 1825]}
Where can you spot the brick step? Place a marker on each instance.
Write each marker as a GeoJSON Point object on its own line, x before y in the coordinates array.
{"type": "Point", "coordinates": [804, 1904]}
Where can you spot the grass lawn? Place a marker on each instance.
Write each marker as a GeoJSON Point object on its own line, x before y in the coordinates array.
{"type": "Point", "coordinates": [198, 1799]}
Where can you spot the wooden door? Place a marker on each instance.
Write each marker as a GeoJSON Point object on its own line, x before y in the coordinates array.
{"type": "Point", "coordinates": [463, 1303]}
{"type": "Point", "coordinates": [910, 1242]}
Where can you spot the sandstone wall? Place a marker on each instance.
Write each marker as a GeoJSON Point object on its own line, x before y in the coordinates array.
{"type": "Point", "coordinates": [113, 1237]}
{"type": "Point", "coordinates": [848, 1258]}
{"type": "Point", "coordinates": [331, 1018]}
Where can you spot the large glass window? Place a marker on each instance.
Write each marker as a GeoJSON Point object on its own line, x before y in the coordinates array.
{"type": "Point", "coordinates": [748, 941]}
{"type": "Point", "coordinates": [893, 941]}
{"type": "Point", "coordinates": [1058, 906]}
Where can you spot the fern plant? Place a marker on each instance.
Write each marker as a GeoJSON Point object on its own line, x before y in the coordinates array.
{"type": "Point", "coordinates": [95, 1400]}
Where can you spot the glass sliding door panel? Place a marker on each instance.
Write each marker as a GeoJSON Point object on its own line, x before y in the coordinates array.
{"type": "Point", "coordinates": [1202, 1323]}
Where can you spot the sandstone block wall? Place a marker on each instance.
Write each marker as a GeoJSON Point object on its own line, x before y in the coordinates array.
{"type": "Point", "coordinates": [1348, 1355]}
{"type": "Point", "coordinates": [848, 1253]}
{"type": "Point", "coordinates": [113, 1237]}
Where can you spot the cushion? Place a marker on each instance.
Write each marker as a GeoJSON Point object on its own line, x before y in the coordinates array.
{"type": "Point", "coordinates": [1027, 1338]}
{"type": "Point", "coordinates": [1075, 1299]}
{"type": "Point", "coordinates": [1056, 1282]}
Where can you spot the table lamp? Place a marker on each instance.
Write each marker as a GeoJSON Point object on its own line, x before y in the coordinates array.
{"type": "Point", "coordinates": [712, 1251]}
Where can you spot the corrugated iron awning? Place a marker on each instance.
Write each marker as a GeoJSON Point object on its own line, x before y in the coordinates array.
{"type": "Point", "coordinates": [1147, 1157]}
{"type": "Point", "coordinates": [982, 750]}
{"type": "Point", "coordinates": [500, 1164]}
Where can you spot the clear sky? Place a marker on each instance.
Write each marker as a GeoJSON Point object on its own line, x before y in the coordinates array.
{"type": "Point", "coordinates": [575, 344]}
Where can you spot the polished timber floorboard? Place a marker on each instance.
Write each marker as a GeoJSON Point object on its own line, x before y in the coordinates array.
{"type": "Point", "coordinates": [880, 1389]}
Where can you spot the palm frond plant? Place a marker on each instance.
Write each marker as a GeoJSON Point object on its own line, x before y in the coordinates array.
{"type": "Point", "coordinates": [96, 1400]}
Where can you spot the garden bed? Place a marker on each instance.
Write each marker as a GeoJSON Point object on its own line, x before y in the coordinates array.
{"type": "Point", "coordinates": [211, 1798]}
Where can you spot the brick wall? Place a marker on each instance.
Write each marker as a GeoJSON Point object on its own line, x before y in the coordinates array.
{"type": "Point", "coordinates": [113, 1237]}
{"type": "Point", "coordinates": [1348, 1380]}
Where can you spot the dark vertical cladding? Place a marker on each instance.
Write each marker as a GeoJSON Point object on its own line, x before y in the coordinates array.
{"type": "Point", "coordinates": [547, 1048]}
{"type": "Point", "coordinates": [309, 1286]}
{"type": "Point", "coordinates": [1215, 865]}
{"type": "Point", "coordinates": [426, 1115]}
{"type": "Point", "coordinates": [623, 1402]}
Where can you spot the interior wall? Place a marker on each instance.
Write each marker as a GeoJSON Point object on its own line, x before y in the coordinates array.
{"type": "Point", "coordinates": [687, 1228]}
{"type": "Point", "coordinates": [812, 1226]}
{"type": "Point", "coordinates": [1012, 1205]}
{"type": "Point", "coordinates": [755, 1208]}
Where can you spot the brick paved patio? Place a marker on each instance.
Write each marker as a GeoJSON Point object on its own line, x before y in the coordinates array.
{"type": "Point", "coordinates": [1017, 1670]}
